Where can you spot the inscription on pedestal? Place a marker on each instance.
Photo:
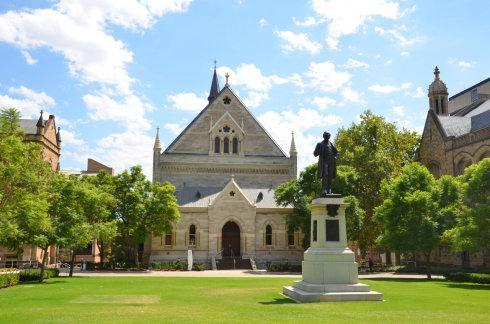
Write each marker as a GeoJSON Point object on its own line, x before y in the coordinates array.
{"type": "Point", "coordinates": [332, 230]}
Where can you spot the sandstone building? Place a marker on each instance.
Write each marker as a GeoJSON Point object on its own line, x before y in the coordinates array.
{"type": "Point", "coordinates": [456, 134]}
{"type": "Point", "coordinates": [225, 167]}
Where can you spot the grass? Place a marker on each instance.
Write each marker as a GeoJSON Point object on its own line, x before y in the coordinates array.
{"type": "Point", "coordinates": [250, 300]}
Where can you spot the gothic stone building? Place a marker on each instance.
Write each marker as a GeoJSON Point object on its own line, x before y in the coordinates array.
{"type": "Point", "coordinates": [225, 167]}
{"type": "Point", "coordinates": [456, 134]}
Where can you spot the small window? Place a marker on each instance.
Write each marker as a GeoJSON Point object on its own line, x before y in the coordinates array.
{"type": "Point", "coordinates": [235, 145]}
{"type": "Point", "coordinates": [268, 235]}
{"type": "Point", "coordinates": [168, 239]}
{"type": "Point", "coordinates": [226, 145]}
{"type": "Point", "coordinates": [192, 235]}
{"type": "Point", "coordinates": [260, 196]}
{"type": "Point", "coordinates": [216, 145]}
{"type": "Point", "coordinates": [290, 238]}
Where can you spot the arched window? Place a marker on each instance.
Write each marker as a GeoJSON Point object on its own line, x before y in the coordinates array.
{"type": "Point", "coordinates": [268, 235]}
{"type": "Point", "coordinates": [235, 145]}
{"type": "Point", "coordinates": [216, 144]}
{"type": "Point", "coordinates": [192, 234]}
{"type": "Point", "coordinates": [226, 145]}
{"type": "Point", "coordinates": [168, 239]}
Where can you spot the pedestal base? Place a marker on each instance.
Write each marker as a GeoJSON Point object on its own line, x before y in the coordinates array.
{"type": "Point", "coordinates": [302, 296]}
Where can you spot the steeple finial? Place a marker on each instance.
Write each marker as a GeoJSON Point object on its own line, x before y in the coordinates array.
{"type": "Point", "coordinates": [213, 92]}
{"type": "Point", "coordinates": [157, 145]}
{"type": "Point", "coordinates": [292, 149]}
{"type": "Point", "coordinates": [227, 76]}
{"type": "Point", "coordinates": [40, 121]}
{"type": "Point", "coordinates": [436, 72]}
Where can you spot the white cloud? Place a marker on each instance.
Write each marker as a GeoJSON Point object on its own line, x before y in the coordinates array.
{"type": "Point", "coordinates": [388, 88]}
{"type": "Point", "coordinates": [129, 110]}
{"type": "Point", "coordinates": [465, 65]}
{"type": "Point", "coordinates": [257, 84]}
{"type": "Point", "coordinates": [405, 53]}
{"type": "Point", "coordinates": [77, 30]}
{"type": "Point", "coordinates": [354, 64]}
{"type": "Point", "coordinates": [262, 22]}
{"type": "Point", "coordinates": [280, 125]}
{"type": "Point", "coordinates": [345, 17]}
{"type": "Point", "coordinates": [298, 42]}
{"type": "Point", "coordinates": [175, 129]}
{"type": "Point", "coordinates": [309, 21]}
{"type": "Point", "coordinates": [29, 59]}
{"type": "Point", "coordinates": [71, 138]}
{"type": "Point", "coordinates": [254, 99]}
{"type": "Point", "coordinates": [323, 102]}
{"type": "Point", "coordinates": [123, 150]}
{"type": "Point", "coordinates": [323, 76]}
{"type": "Point", "coordinates": [419, 93]}
{"type": "Point", "coordinates": [397, 36]}
{"type": "Point", "coordinates": [187, 101]}
{"type": "Point", "coordinates": [27, 101]}
{"type": "Point", "coordinates": [351, 95]}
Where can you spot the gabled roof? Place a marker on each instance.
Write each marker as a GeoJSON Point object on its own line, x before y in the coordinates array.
{"type": "Point", "coordinates": [167, 150]}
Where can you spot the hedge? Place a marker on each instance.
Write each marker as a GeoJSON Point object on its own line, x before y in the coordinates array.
{"type": "Point", "coordinates": [8, 279]}
{"type": "Point", "coordinates": [35, 274]}
{"type": "Point", "coordinates": [481, 278]}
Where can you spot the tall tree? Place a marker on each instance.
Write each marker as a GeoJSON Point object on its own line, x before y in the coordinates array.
{"type": "Point", "coordinates": [24, 180]}
{"type": "Point", "coordinates": [143, 208]}
{"type": "Point", "coordinates": [417, 210]}
{"type": "Point", "coordinates": [376, 150]}
{"type": "Point", "coordinates": [472, 229]}
{"type": "Point", "coordinates": [100, 211]}
{"type": "Point", "coordinates": [300, 192]}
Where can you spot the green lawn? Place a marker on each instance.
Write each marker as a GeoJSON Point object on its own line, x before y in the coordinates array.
{"type": "Point", "coordinates": [159, 299]}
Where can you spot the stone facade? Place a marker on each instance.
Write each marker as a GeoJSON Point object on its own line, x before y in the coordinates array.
{"type": "Point", "coordinates": [456, 134]}
{"type": "Point", "coordinates": [225, 167]}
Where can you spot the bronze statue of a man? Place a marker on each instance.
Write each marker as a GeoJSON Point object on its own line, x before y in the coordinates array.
{"type": "Point", "coordinates": [327, 163]}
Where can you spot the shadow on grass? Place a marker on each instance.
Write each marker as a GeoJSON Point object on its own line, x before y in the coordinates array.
{"type": "Point", "coordinates": [45, 282]}
{"type": "Point", "coordinates": [278, 301]}
{"type": "Point", "coordinates": [462, 285]}
{"type": "Point", "coordinates": [404, 279]}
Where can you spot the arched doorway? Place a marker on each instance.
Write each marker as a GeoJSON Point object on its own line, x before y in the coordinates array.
{"type": "Point", "coordinates": [230, 240]}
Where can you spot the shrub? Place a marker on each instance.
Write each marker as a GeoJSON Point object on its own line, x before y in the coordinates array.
{"type": "Point", "coordinates": [8, 279]}
{"type": "Point", "coordinates": [199, 266]}
{"type": "Point", "coordinates": [282, 267]}
{"type": "Point", "coordinates": [481, 278]}
{"type": "Point", "coordinates": [35, 274]}
{"type": "Point", "coordinates": [169, 266]}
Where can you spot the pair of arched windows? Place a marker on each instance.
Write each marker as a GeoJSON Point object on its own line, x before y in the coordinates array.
{"type": "Point", "coordinates": [226, 145]}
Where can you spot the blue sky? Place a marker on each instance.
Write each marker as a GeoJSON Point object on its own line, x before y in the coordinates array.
{"type": "Point", "coordinates": [112, 71]}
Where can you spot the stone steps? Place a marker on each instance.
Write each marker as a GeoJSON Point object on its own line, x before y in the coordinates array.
{"type": "Point", "coordinates": [302, 296]}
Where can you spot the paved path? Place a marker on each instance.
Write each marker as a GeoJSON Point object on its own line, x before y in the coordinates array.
{"type": "Point", "coordinates": [230, 274]}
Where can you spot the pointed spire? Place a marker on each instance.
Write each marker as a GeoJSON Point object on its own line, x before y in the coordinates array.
{"type": "Point", "coordinates": [436, 72]}
{"type": "Point", "coordinates": [40, 121]}
{"type": "Point", "coordinates": [157, 145]}
{"type": "Point", "coordinates": [58, 136]}
{"type": "Point", "coordinates": [213, 92]}
{"type": "Point", "coordinates": [292, 149]}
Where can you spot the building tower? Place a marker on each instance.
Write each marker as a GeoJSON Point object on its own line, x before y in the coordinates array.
{"type": "Point", "coordinates": [438, 101]}
{"type": "Point", "coordinates": [293, 156]}
{"type": "Point", "coordinates": [213, 92]}
{"type": "Point", "coordinates": [157, 149]}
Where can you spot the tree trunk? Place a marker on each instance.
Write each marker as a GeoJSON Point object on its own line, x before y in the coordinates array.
{"type": "Point", "coordinates": [428, 265]}
{"type": "Point", "coordinates": [43, 263]}
{"type": "Point", "coordinates": [72, 262]}
{"type": "Point", "coordinates": [136, 256]}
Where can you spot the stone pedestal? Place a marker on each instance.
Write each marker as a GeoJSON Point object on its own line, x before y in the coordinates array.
{"type": "Point", "coordinates": [329, 267]}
